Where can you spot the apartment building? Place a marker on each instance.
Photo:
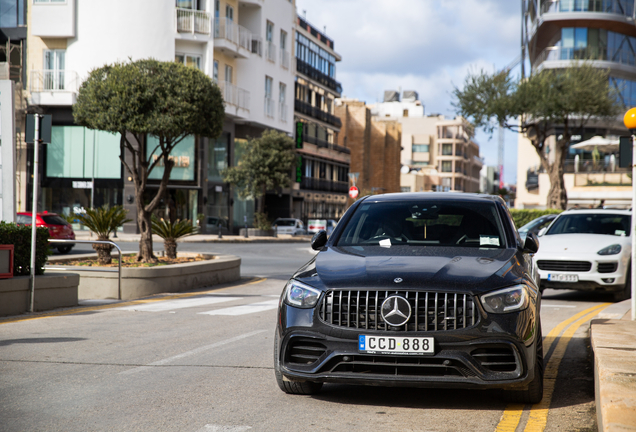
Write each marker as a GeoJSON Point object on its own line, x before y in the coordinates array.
{"type": "Point", "coordinates": [438, 154]}
{"type": "Point", "coordinates": [321, 181]}
{"type": "Point", "coordinates": [374, 145]}
{"type": "Point", "coordinates": [558, 34]}
{"type": "Point", "coordinates": [243, 45]}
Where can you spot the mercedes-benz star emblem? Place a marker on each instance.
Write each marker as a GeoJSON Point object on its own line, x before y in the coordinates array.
{"type": "Point", "coordinates": [396, 311]}
{"type": "Point", "coordinates": [398, 280]}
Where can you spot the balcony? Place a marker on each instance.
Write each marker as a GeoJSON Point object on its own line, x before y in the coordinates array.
{"type": "Point", "coordinates": [282, 112]}
{"type": "Point", "coordinates": [325, 144]}
{"type": "Point", "coordinates": [270, 52]}
{"type": "Point", "coordinates": [284, 59]}
{"type": "Point", "coordinates": [53, 87]}
{"type": "Point", "coordinates": [310, 183]}
{"type": "Point", "coordinates": [307, 109]}
{"type": "Point", "coordinates": [623, 57]}
{"type": "Point", "coordinates": [313, 73]}
{"type": "Point", "coordinates": [193, 21]}
{"type": "Point", "coordinates": [232, 39]}
{"type": "Point", "coordinates": [270, 107]}
{"type": "Point", "coordinates": [618, 7]}
{"type": "Point", "coordinates": [236, 98]}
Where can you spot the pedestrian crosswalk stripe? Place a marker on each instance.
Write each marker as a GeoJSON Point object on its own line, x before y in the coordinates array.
{"type": "Point", "coordinates": [245, 309]}
{"type": "Point", "coordinates": [169, 305]}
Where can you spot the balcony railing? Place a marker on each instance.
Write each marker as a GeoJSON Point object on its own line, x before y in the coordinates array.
{"type": "Point", "coordinates": [621, 56]}
{"type": "Point", "coordinates": [230, 31]}
{"type": "Point", "coordinates": [270, 52]}
{"type": "Point", "coordinates": [235, 96]}
{"type": "Point", "coordinates": [284, 59]}
{"type": "Point", "coordinates": [282, 112]}
{"type": "Point", "coordinates": [619, 7]}
{"type": "Point", "coordinates": [53, 80]}
{"type": "Point", "coordinates": [310, 183]}
{"type": "Point", "coordinates": [270, 107]}
{"type": "Point", "coordinates": [313, 73]}
{"type": "Point", "coordinates": [307, 109]}
{"type": "Point", "coordinates": [193, 21]}
{"type": "Point", "coordinates": [257, 45]}
{"type": "Point", "coordinates": [325, 144]}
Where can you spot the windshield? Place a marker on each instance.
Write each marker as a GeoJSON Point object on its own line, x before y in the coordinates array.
{"type": "Point", "coordinates": [536, 224]}
{"type": "Point", "coordinates": [285, 222]}
{"type": "Point", "coordinates": [54, 220]}
{"type": "Point", "coordinates": [424, 223]}
{"type": "Point", "coordinates": [603, 223]}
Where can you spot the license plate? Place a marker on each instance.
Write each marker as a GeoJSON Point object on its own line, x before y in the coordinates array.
{"type": "Point", "coordinates": [395, 345]}
{"type": "Point", "coordinates": [563, 277]}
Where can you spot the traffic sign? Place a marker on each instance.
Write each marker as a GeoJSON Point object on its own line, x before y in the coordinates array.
{"type": "Point", "coordinates": [353, 192]}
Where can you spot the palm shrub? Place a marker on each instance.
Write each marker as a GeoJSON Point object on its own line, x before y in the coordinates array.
{"type": "Point", "coordinates": [171, 232]}
{"type": "Point", "coordinates": [102, 222]}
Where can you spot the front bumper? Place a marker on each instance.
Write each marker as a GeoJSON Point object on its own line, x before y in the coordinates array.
{"type": "Point", "coordinates": [598, 278]}
{"type": "Point", "coordinates": [491, 354]}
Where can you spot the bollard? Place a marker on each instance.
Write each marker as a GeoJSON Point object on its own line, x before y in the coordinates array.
{"type": "Point", "coordinates": [275, 230]}
{"type": "Point", "coordinates": [220, 234]}
{"type": "Point", "coordinates": [245, 220]}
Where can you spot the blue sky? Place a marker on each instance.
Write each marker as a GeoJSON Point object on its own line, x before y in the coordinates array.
{"type": "Point", "coordinates": [424, 45]}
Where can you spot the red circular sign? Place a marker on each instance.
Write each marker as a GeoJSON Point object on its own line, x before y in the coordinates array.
{"type": "Point", "coordinates": [353, 192]}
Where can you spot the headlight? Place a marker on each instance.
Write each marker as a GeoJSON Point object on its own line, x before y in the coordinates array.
{"type": "Point", "coordinates": [511, 299]}
{"type": "Point", "coordinates": [610, 250]}
{"type": "Point", "coordinates": [299, 295]}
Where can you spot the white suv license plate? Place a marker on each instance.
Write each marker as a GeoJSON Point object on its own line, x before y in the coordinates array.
{"type": "Point", "coordinates": [395, 345]}
{"type": "Point", "coordinates": [563, 277]}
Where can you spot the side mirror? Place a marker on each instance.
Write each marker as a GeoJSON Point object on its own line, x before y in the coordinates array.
{"type": "Point", "coordinates": [319, 240]}
{"type": "Point", "coordinates": [542, 231]}
{"type": "Point", "coordinates": [531, 244]}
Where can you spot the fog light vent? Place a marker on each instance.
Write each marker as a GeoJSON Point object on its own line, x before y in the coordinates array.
{"type": "Point", "coordinates": [608, 280]}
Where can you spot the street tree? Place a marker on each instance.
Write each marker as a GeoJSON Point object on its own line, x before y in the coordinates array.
{"type": "Point", "coordinates": [567, 99]}
{"type": "Point", "coordinates": [266, 164]}
{"type": "Point", "coordinates": [166, 101]}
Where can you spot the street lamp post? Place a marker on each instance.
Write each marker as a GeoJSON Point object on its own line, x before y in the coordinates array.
{"type": "Point", "coordinates": [630, 123]}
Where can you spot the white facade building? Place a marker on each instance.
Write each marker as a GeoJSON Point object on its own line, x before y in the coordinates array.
{"type": "Point", "coordinates": [243, 45]}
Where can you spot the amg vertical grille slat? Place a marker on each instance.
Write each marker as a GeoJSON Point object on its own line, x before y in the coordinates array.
{"type": "Point", "coordinates": [430, 311]}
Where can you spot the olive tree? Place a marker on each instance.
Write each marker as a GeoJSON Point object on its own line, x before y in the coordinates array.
{"type": "Point", "coordinates": [138, 99]}
{"type": "Point", "coordinates": [566, 98]}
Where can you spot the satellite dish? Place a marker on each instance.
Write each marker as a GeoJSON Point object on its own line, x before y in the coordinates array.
{"type": "Point", "coordinates": [405, 169]}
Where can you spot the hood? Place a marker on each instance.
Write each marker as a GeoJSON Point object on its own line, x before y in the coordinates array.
{"type": "Point", "coordinates": [577, 244]}
{"type": "Point", "coordinates": [450, 269]}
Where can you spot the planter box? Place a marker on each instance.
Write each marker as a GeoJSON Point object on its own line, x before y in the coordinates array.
{"type": "Point", "coordinates": [137, 282]}
{"type": "Point", "coordinates": [52, 291]}
{"type": "Point", "coordinates": [254, 232]}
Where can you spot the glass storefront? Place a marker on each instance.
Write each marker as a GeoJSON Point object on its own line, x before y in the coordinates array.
{"type": "Point", "coordinates": [218, 151]}
{"type": "Point", "coordinates": [183, 155]}
{"type": "Point", "coordinates": [179, 204]}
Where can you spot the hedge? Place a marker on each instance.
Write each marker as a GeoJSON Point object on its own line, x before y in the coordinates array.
{"type": "Point", "coordinates": [523, 216]}
{"type": "Point", "coordinates": [20, 237]}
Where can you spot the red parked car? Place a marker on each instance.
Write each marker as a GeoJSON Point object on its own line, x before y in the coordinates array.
{"type": "Point", "coordinates": [57, 225]}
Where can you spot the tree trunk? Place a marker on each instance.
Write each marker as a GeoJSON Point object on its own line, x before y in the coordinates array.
{"type": "Point", "coordinates": [103, 252]}
{"type": "Point", "coordinates": [170, 246]}
{"type": "Point", "coordinates": [146, 254]}
{"type": "Point", "coordinates": [557, 196]}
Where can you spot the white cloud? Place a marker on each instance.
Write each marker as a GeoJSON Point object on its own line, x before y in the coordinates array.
{"type": "Point", "coordinates": [423, 45]}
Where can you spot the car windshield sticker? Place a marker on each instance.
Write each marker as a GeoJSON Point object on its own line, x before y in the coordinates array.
{"type": "Point", "coordinates": [385, 243]}
{"type": "Point", "coordinates": [619, 232]}
{"type": "Point", "coordinates": [488, 240]}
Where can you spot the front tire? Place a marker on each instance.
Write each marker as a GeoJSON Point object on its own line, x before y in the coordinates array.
{"type": "Point", "coordinates": [626, 292]}
{"type": "Point", "coordinates": [64, 249]}
{"type": "Point", "coordinates": [291, 387]}
{"type": "Point", "coordinates": [534, 392]}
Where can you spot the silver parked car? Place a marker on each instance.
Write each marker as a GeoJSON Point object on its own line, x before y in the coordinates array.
{"type": "Point", "coordinates": [289, 226]}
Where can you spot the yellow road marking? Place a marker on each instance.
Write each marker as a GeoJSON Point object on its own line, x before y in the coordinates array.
{"type": "Point", "coordinates": [539, 412]}
{"type": "Point", "coordinates": [130, 303]}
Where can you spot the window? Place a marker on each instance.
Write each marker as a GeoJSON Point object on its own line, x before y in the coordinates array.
{"type": "Point", "coordinates": [283, 40]}
{"type": "Point", "coordinates": [228, 74]}
{"type": "Point", "coordinates": [54, 69]}
{"type": "Point", "coordinates": [405, 189]}
{"type": "Point", "coordinates": [269, 32]}
{"type": "Point", "coordinates": [405, 113]}
{"type": "Point", "coordinates": [269, 83]}
{"type": "Point", "coordinates": [447, 166]}
{"type": "Point", "coordinates": [217, 9]}
{"type": "Point", "coordinates": [184, 4]}
{"type": "Point", "coordinates": [420, 148]}
{"type": "Point", "coordinates": [229, 12]}
{"type": "Point", "coordinates": [188, 60]}
{"type": "Point", "coordinates": [12, 13]}
{"type": "Point", "coordinates": [215, 71]}
{"type": "Point", "coordinates": [282, 93]}
{"type": "Point", "coordinates": [447, 149]}
{"type": "Point", "coordinates": [49, 1]}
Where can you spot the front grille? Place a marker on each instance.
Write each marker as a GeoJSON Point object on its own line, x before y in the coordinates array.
{"type": "Point", "coordinates": [304, 351]}
{"type": "Point", "coordinates": [496, 359]}
{"type": "Point", "coordinates": [565, 266]}
{"type": "Point", "coordinates": [607, 267]}
{"type": "Point", "coordinates": [397, 366]}
{"type": "Point", "coordinates": [431, 311]}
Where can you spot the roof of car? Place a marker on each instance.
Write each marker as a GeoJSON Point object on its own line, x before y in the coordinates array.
{"type": "Point", "coordinates": [597, 210]}
{"type": "Point", "coordinates": [450, 196]}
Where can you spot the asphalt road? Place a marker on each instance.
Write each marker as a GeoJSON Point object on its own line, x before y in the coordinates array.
{"type": "Point", "coordinates": [203, 362]}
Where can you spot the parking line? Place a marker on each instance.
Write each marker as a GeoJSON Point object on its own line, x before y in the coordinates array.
{"type": "Point", "coordinates": [79, 310]}
{"type": "Point", "coordinates": [539, 412]}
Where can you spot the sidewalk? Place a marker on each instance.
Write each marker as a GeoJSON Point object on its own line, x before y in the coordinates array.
{"type": "Point", "coordinates": [613, 339]}
{"type": "Point", "coordinates": [203, 238]}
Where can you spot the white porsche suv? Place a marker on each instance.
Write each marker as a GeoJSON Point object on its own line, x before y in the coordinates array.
{"type": "Point", "coordinates": [587, 250]}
